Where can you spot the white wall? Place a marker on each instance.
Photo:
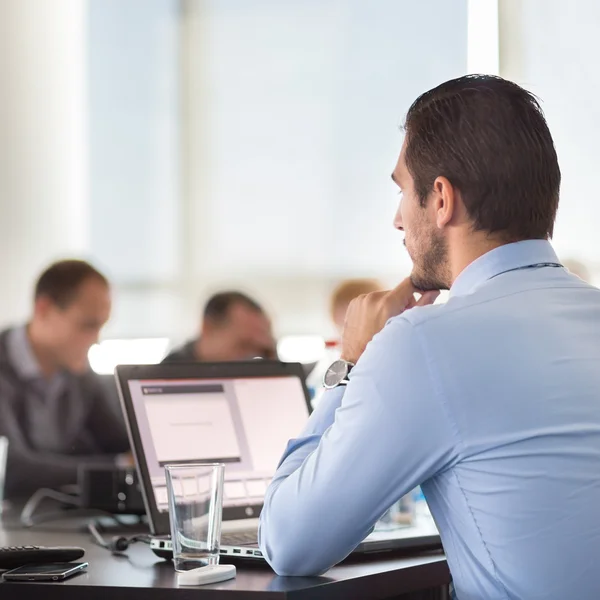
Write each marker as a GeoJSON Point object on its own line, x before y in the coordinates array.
{"type": "Point", "coordinates": [190, 145]}
{"type": "Point", "coordinates": [551, 47]}
{"type": "Point", "coordinates": [133, 77]}
{"type": "Point", "coordinates": [43, 143]}
{"type": "Point", "coordinates": [289, 133]}
{"type": "Point", "coordinates": [291, 114]}
{"type": "Point", "coordinates": [248, 143]}
{"type": "Point", "coordinates": [135, 122]}
{"type": "Point", "coordinates": [301, 102]}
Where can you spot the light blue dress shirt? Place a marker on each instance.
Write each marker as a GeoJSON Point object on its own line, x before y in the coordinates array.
{"type": "Point", "coordinates": [492, 403]}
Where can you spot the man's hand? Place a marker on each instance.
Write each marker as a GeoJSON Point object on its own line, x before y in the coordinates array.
{"type": "Point", "coordinates": [368, 314]}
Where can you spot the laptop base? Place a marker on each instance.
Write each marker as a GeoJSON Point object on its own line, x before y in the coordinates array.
{"type": "Point", "coordinates": [420, 537]}
{"type": "Point", "coordinates": [164, 549]}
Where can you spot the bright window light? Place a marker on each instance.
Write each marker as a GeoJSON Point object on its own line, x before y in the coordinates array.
{"type": "Point", "coordinates": [301, 348]}
{"type": "Point", "coordinates": [106, 355]}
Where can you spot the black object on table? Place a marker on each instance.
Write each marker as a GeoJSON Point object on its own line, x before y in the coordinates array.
{"type": "Point", "coordinates": [18, 556]}
{"type": "Point", "coordinates": [142, 576]}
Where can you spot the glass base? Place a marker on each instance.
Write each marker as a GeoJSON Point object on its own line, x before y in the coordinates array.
{"type": "Point", "coordinates": [188, 562]}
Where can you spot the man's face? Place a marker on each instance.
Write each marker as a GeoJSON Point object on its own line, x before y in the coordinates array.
{"type": "Point", "coordinates": [246, 334]}
{"type": "Point", "coordinates": [72, 330]}
{"type": "Point", "coordinates": [424, 242]}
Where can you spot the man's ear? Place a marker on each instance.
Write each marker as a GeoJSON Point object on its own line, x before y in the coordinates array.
{"type": "Point", "coordinates": [42, 306]}
{"type": "Point", "coordinates": [444, 201]}
{"type": "Point", "coordinates": [210, 326]}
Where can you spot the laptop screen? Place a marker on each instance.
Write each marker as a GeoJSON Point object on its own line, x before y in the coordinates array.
{"type": "Point", "coordinates": [242, 422]}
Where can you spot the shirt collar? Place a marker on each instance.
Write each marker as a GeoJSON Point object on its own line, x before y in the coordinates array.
{"type": "Point", "coordinates": [502, 259]}
{"type": "Point", "coordinates": [21, 354]}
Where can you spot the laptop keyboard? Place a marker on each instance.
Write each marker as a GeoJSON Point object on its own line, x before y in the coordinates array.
{"type": "Point", "coordinates": [242, 538]}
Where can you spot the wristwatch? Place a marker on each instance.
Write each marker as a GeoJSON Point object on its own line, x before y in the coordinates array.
{"type": "Point", "coordinates": [337, 374]}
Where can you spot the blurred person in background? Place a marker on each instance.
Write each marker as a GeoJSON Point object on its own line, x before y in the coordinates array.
{"type": "Point", "coordinates": [234, 327]}
{"type": "Point", "coordinates": [341, 297]}
{"type": "Point", "coordinates": [54, 410]}
{"type": "Point", "coordinates": [344, 293]}
{"type": "Point", "coordinates": [577, 268]}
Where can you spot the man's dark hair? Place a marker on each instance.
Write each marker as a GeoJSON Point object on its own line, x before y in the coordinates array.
{"type": "Point", "coordinates": [489, 138]}
{"type": "Point", "coordinates": [218, 307]}
{"type": "Point", "coordinates": [61, 281]}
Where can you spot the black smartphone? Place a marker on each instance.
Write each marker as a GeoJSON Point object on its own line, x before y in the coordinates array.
{"type": "Point", "coordinates": [50, 572]}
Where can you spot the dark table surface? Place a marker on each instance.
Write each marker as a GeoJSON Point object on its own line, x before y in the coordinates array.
{"type": "Point", "coordinates": [143, 576]}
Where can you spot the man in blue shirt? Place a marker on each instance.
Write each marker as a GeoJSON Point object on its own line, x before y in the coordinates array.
{"type": "Point", "coordinates": [491, 402]}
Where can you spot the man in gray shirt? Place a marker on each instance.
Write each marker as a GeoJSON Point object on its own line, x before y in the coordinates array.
{"type": "Point", "coordinates": [234, 327]}
{"type": "Point", "coordinates": [54, 410]}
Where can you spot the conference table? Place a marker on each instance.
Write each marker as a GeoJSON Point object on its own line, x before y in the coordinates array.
{"type": "Point", "coordinates": [143, 576]}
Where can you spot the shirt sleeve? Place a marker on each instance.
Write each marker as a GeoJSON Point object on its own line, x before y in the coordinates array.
{"type": "Point", "coordinates": [362, 450]}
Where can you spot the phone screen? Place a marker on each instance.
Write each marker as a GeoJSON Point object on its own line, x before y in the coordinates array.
{"type": "Point", "coordinates": [53, 571]}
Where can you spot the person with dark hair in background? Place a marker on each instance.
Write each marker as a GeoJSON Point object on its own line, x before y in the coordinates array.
{"type": "Point", "coordinates": [491, 401]}
{"type": "Point", "coordinates": [234, 327]}
{"type": "Point", "coordinates": [54, 411]}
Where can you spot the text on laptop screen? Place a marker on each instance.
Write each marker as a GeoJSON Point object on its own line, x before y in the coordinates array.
{"type": "Point", "coordinates": [244, 423]}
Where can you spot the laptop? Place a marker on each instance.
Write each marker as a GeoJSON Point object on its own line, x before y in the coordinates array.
{"type": "Point", "coordinates": [242, 414]}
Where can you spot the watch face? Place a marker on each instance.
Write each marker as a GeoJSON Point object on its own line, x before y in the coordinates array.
{"type": "Point", "coordinates": [336, 373]}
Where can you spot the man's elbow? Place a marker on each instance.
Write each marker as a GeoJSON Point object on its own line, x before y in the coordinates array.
{"type": "Point", "coordinates": [289, 556]}
{"type": "Point", "coordinates": [288, 563]}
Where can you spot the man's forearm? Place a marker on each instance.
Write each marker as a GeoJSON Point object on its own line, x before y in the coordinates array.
{"type": "Point", "coordinates": [357, 456]}
{"type": "Point", "coordinates": [297, 451]}
{"type": "Point", "coordinates": [320, 421]}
